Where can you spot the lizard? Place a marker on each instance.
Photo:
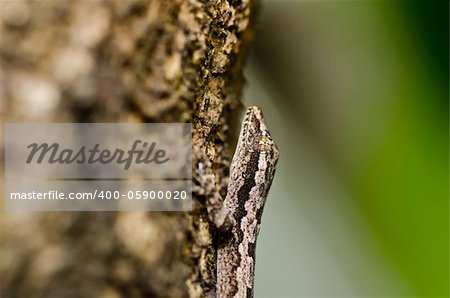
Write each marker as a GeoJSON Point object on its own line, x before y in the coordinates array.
{"type": "Point", "coordinates": [251, 174]}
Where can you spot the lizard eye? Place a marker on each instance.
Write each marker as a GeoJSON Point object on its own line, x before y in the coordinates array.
{"type": "Point", "coordinates": [265, 139]}
{"type": "Point", "coordinates": [265, 143]}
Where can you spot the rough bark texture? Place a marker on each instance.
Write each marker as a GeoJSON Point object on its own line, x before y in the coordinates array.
{"type": "Point", "coordinates": [122, 61]}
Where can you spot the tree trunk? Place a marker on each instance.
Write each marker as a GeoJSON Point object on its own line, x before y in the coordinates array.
{"type": "Point", "coordinates": [123, 61]}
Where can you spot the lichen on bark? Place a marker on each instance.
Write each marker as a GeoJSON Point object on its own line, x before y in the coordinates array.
{"type": "Point", "coordinates": [123, 61]}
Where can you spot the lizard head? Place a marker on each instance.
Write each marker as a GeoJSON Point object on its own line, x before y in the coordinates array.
{"type": "Point", "coordinates": [256, 133]}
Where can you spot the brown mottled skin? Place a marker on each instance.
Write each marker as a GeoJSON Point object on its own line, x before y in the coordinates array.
{"type": "Point", "coordinates": [251, 174]}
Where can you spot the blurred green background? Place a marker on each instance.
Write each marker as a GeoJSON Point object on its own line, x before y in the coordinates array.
{"type": "Point", "coordinates": [356, 95]}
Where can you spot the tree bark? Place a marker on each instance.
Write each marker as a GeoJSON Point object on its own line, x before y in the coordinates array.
{"type": "Point", "coordinates": [123, 61]}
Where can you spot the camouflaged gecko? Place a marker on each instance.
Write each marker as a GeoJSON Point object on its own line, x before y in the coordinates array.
{"type": "Point", "coordinates": [251, 174]}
